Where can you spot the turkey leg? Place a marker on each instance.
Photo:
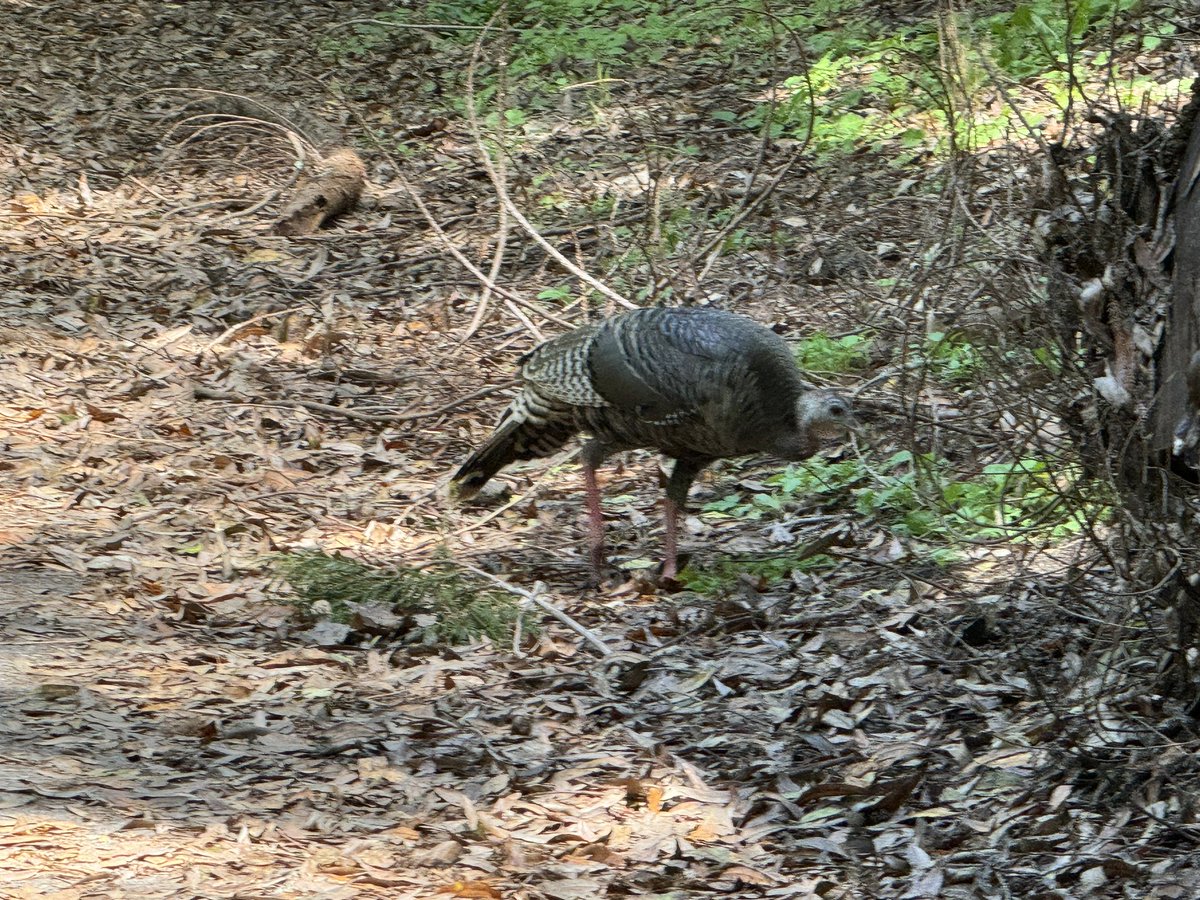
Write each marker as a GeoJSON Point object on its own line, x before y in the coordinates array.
{"type": "Point", "coordinates": [595, 519]}
{"type": "Point", "coordinates": [594, 454]}
{"type": "Point", "coordinates": [678, 485]}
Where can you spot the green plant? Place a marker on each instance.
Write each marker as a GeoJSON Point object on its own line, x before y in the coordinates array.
{"type": "Point", "coordinates": [822, 353]}
{"type": "Point", "coordinates": [950, 357]}
{"type": "Point", "coordinates": [456, 607]}
{"type": "Point", "coordinates": [816, 477]}
{"type": "Point", "coordinates": [1023, 499]}
{"type": "Point", "coordinates": [923, 497]}
{"type": "Point", "coordinates": [559, 294]}
{"type": "Point", "coordinates": [1035, 36]}
{"type": "Point", "coordinates": [865, 85]}
{"type": "Point", "coordinates": [719, 576]}
{"type": "Point", "coordinates": [868, 84]}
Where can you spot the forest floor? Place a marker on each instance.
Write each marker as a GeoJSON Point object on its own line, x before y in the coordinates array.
{"type": "Point", "coordinates": [183, 396]}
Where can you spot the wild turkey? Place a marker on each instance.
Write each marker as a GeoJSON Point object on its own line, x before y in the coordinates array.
{"type": "Point", "coordinates": [697, 384]}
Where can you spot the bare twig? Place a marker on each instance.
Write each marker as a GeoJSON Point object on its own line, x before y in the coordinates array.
{"type": "Point", "coordinates": [200, 392]}
{"type": "Point", "coordinates": [454, 404]}
{"type": "Point", "coordinates": [498, 183]}
{"type": "Point", "coordinates": [234, 329]}
{"type": "Point", "coordinates": [502, 224]}
{"type": "Point", "coordinates": [206, 393]}
{"type": "Point", "coordinates": [411, 26]}
{"type": "Point", "coordinates": [515, 300]}
{"type": "Point", "coordinates": [712, 248]}
{"type": "Point", "coordinates": [545, 606]}
{"type": "Point", "coordinates": [248, 112]}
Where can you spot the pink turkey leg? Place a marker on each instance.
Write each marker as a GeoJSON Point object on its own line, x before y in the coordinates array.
{"type": "Point", "coordinates": [671, 513]}
{"type": "Point", "coordinates": [595, 519]}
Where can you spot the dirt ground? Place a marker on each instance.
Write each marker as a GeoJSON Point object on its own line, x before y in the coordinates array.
{"type": "Point", "coordinates": [184, 395]}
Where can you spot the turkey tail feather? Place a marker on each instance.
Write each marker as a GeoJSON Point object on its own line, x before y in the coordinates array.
{"type": "Point", "coordinates": [500, 449]}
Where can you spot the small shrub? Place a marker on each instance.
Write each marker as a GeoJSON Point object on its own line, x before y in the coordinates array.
{"type": "Point", "coordinates": [458, 606]}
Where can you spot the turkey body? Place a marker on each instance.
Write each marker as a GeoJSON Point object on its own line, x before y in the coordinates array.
{"type": "Point", "coordinates": [696, 384]}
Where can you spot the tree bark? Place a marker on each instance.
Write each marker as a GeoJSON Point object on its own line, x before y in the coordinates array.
{"type": "Point", "coordinates": [1182, 337]}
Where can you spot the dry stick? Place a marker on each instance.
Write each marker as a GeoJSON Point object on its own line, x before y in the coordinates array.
{"type": "Point", "coordinates": [302, 150]}
{"type": "Point", "coordinates": [76, 218]}
{"type": "Point", "coordinates": [545, 606]}
{"type": "Point", "coordinates": [512, 300]}
{"type": "Point", "coordinates": [149, 190]}
{"type": "Point", "coordinates": [413, 26]}
{"type": "Point", "coordinates": [206, 393]}
{"type": "Point", "coordinates": [200, 392]}
{"type": "Point", "coordinates": [479, 523]}
{"type": "Point", "coordinates": [277, 120]}
{"type": "Point", "coordinates": [295, 140]}
{"type": "Point", "coordinates": [227, 121]}
{"type": "Point", "coordinates": [502, 225]}
{"type": "Point", "coordinates": [234, 329]}
{"type": "Point", "coordinates": [712, 247]}
{"type": "Point", "coordinates": [999, 84]}
{"type": "Point", "coordinates": [502, 228]}
{"type": "Point", "coordinates": [408, 510]}
{"type": "Point", "coordinates": [454, 404]}
{"type": "Point", "coordinates": [269, 198]}
{"type": "Point", "coordinates": [502, 191]}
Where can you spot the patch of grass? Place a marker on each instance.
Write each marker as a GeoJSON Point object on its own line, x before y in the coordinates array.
{"type": "Point", "coordinates": [822, 353]}
{"type": "Point", "coordinates": [719, 576]}
{"type": "Point", "coordinates": [924, 498]}
{"type": "Point", "coordinates": [448, 605]}
{"type": "Point", "coordinates": [557, 42]}
{"type": "Point", "coordinates": [868, 82]}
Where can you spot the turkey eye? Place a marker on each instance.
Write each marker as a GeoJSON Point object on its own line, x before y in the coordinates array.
{"type": "Point", "coordinates": [837, 410]}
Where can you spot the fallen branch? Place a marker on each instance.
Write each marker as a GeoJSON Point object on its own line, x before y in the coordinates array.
{"type": "Point", "coordinates": [241, 326]}
{"type": "Point", "coordinates": [545, 606]}
{"type": "Point", "coordinates": [206, 393]}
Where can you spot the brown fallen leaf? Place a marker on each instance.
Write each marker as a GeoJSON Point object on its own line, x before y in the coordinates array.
{"type": "Point", "coordinates": [471, 889]}
{"type": "Point", "coordinates": [102, 415]}
{"type": "Point", "coordinates": [52, 691]}
{"type": "Point", "coordinates": [654, 798]}
{"type": "Point", "coordinates": [746, 875]}
{"type": "Point", "coordinates": [439, 855]}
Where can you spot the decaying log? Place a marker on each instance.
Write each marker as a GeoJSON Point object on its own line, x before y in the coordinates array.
{"type": "Point", "coordinates": [334, 188]}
